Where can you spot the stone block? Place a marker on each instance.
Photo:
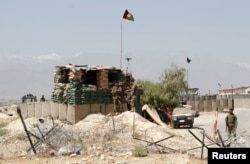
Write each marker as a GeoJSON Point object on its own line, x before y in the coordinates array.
{"type": "Point", "coordinates": [24, 110]}
{"type": "Point", "coordinates": [62, 112]}
{"type": "Point", "coordinates": [38, 109]}
{"type": "Point", "coordinates": [46, 112]}
{"type": "Point", "coordinates": [54, 108]}
{"type": "Point", "coordinates": [77, 113]}
{"type": "Point", "coordinates": [31, 109]}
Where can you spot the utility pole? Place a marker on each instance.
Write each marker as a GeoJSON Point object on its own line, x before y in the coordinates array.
{"type": "Point", "coordinates": [219, 89]}
{"type": "Point", "coordinates": [232, 97]}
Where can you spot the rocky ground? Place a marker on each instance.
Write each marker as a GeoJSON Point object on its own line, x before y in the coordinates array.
{"type": "Point", "coordinates": [126, 138]}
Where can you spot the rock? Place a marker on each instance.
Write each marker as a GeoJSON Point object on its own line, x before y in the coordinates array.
{"type": "Point", "coordinates": [84, 159]}
{"type": "Point", "coordinates": [102, 157]}
{"type": "Point", "coordinates": [73, 155]}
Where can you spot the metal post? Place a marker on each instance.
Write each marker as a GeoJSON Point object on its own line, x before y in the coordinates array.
{"type": "Point", "coordinates": [121, 48]}
{"type": "Point", "coordinates": [232, 97]}
{"type": "Point", "coordinates": [134, 126]}
{"type": "Point", "coordinates": [203, 140]}
{"type": "Point", "coordinates": [218, 132]}
{"type": "Point", "coordinates": [113, 124]}
{"type": "Point", "coordinates": [25, 128]}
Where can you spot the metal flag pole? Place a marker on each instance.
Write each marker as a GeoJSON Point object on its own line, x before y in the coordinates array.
{"type": "Point", "coordinates": [187, 78]}
{"type": "Point", "coordinates": [188, 61]}
{"type": "Point", "coordinates": [121, 48]}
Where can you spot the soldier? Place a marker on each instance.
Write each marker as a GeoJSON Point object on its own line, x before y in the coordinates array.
{"type": "Point", "coordinates": [42, 98]}
{"type": "Point", "coordinates": [128, 97]}
{"type": "Point", "coordinates": [133, 103]}
{"type": "Point", "coordinates": [231, 123]}
{"type": "Point", "coordinates": [133, 96]}
{"type": "Point", "coordinates": [117, 98]}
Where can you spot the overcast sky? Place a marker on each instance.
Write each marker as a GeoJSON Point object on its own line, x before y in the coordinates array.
{"type": "Point", "coordinates": [36, 36]}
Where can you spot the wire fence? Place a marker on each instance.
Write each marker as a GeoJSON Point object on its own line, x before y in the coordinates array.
{"type": "Point", "coordinates": [48, 136]}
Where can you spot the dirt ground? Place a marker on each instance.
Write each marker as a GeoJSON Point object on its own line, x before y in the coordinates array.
{"type": "Point", "coordinates": [100, 142]}
{"type": "Point", "coordinates": [150, 159]}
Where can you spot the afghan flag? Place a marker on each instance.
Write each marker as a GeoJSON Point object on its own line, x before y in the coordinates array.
{"type": "Point", "coordinates": [127, 15]}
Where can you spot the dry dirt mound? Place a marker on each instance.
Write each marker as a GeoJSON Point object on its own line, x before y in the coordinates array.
{"type": "Point", "coordinates": [101, 139]}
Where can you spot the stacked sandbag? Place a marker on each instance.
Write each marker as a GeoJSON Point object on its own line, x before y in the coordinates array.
{"type": "Point", "coordinates": [58, 95]}
{"type": "Point", "coordinates": [60, 77]}
{"type": "Point", "coordinates": [60, 74]}
{"type": "Point", "coordinates": [87, 92]}
{"type": "Point", "coordinates": [74, 90]}
{"type": "Point", "coordinates": [74, 84]}
{"type": "Point", "coordinates": [102, 79]}
{"type": "Point", "coordinates": [106, 97]}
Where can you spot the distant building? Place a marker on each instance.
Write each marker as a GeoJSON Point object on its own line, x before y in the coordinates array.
{"type": "Point", "coordinates": [235, 91]}
{"type": "Point", "coordinates": [193, 91]}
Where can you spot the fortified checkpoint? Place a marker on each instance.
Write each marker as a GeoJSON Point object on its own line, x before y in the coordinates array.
{"type": "Point", "coordinates": [80, 90]}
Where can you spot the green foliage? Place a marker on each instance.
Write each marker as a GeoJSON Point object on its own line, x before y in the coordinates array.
{"type": "Point", "coordinates": [139, 151]}
{"type": "Point", "coordinates": [221, 108]}
{"type": "Point", "coordinates": [166, 92]}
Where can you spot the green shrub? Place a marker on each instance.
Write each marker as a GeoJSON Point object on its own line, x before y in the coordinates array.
{"type": "Point", "coordinates": [221, 108]}
{"type": "Point", "coordinates": [139, 151]}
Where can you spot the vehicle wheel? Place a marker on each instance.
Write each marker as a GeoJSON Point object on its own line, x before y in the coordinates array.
{"type": "Point", "coordinates": [191, 125]}
{"type": "Point", "coordinates": [176, 126]}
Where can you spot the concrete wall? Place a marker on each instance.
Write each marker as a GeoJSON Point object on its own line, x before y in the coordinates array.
{"type": "Point", "coordinates": [211, 103]}
{"type": "Point", "coordinates": [64, 112]}
{"type": "Point", "coordinates": [73, 114]}
{"type": "Point", "coordinates": [242, 103]}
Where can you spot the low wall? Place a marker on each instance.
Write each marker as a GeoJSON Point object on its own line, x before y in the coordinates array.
{"type": "Point", "coordinates": [63, 112]}
{"type": "Point", "coordinates": [73, 114]}
{"type": "Point", "coordinates": [211, 103]}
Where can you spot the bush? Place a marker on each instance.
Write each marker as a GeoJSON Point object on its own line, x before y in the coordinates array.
{"type": "Point", "coordinates": [139, 151]}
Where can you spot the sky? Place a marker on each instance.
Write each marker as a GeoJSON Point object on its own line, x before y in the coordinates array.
{"type": "Point", "coordinates": [37, 36]}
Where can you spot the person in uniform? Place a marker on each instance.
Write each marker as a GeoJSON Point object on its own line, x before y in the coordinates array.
{"type": "Point", "coordinates": [231, 123]}
{"type": "Point", "coordinates": [133, 95]}
{"type": "Point", "coordinates": [117, 98]}
{"type": "Point", "coordinates": [42, 98]}
{"type": "Point", "coordinates": [128, 97]}
{"type": "Point", "coordinates": [132, 103]}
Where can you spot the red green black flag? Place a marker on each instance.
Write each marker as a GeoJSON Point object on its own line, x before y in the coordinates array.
{"type": "Point", "coordinates": [127, 15]}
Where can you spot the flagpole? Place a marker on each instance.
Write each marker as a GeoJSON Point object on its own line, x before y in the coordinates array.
{"type": "Point", "coordinates": [188, 61]}
{"type": "Point", "coordinates": [187, 79]}
{"type": "Point", "coordinates": [130, 17]}
{"type": "Point", "coordinates": [121, 48]}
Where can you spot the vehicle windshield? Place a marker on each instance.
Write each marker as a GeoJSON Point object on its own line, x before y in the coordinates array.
{"type": "Point", "coordinates": [183, 111]}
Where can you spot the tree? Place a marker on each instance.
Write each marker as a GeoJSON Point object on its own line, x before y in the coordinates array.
{"type": "Point", "coordinates": [167, 92]}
